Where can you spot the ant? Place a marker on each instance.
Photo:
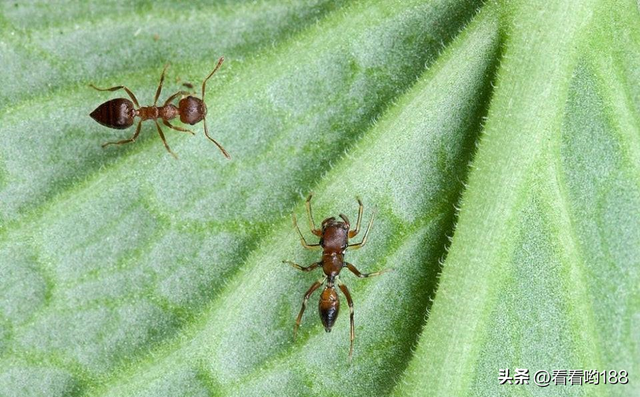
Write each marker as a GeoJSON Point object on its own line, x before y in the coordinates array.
{"type": "Point", "coordinates": [119, 113]}
{"type": "Point", "coordinates": [334, 241]}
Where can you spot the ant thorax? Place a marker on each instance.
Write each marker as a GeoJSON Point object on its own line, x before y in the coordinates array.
{"type": "Point", "coordinates": [168, 112]}
{"type": "Point", "coordinates": [332, 264]}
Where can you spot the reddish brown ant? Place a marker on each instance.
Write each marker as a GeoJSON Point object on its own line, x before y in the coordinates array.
{"type": "Point", "coordinates": [119, 113]}
{"type": "Point", "coordinates": [334, 241]}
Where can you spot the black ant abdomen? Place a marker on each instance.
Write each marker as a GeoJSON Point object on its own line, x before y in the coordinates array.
{"type": "Point", "coordinates": [117, 113]}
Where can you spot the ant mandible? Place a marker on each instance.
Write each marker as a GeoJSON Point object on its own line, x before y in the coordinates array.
{"type": "Point", "coordinates": [334, 241]}
{"type": "Point", "coordinates": [119, 113]}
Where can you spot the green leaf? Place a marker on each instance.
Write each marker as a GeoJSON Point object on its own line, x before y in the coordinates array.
{"type": "Point", "coordinates": [126, 272]}
{"type": "Point", "coordinates": [543, 269]}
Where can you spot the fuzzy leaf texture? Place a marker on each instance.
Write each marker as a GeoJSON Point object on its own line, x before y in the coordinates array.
{"type": "Point", "coordinates": [498, 141]}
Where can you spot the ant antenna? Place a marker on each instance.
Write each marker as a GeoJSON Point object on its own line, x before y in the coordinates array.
{"type": "Point", "coordinates": [204, 119]}
{"type": "Point", "coordinates": [204, 83]}
{"type": "Point", "coordinates": [206, 132]}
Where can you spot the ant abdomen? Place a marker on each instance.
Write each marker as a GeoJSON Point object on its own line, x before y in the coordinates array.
{"type": "Point", "coordinates": [329, 307]}
{"type": "Point", "coordinates": [117, 113]}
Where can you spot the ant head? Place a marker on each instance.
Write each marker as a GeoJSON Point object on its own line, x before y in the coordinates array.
{"type": "Point", "coordinates": [192, 110]}
{"type": "Point", "coordinates": [328, 222]}
{"type": "Point", "coordinates": [333, 223]}
{"type": "Point", "coordinates": [329, 306]}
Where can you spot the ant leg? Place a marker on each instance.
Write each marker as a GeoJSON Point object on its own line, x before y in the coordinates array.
{"type": "Point", "coordinates": [309, 268]}
{"type": "Point", "coordinates": [346, 293]}
{"type": "Point", "coordinates": [312, 224]}
{"type": "Point", "coordinates": [366, 234]}
{"type": "Point", "coordinates": [173, 127]}
{"type": "Point", "coordinates": [174, 96]}
{"type": "Point", "coordinates": [120, 87]}
{"type": "Point", "coordinates": [364, 275]}
{"type": "Point", "coordinates": [206, 132]}
{"type": "Point", "coordinates": [355, 231]}
{"type": "Point", "coordinates": [132, 139]}
{"type": "Point", "coordinates": [304, 304]}
{"type": "Point", "coordinates": [302, 239]}
{"type": "Point", "coordinates": [160, 85]}
{"type": "Point", "coordinates": [166, 145]}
